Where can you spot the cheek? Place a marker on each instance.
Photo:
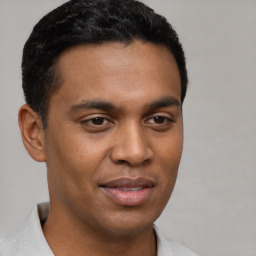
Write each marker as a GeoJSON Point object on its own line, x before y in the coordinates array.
{"type": "Point", "coordinates": [70, 161]}
{"type": "Point", "coordinates": [170, 147]}
{"type": "Point", "coordinates": [169, 155]}
{"type": "Point", "coordinates": [74, 161]}
{"type": "Point", "coordinates": [73, 148]}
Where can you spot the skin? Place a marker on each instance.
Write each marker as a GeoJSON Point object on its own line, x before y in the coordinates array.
{"type": "Point", "coordinates": [87, 144]}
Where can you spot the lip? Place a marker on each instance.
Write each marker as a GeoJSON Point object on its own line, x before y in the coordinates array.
{"type": "Point", "coordinates": [128, 191]}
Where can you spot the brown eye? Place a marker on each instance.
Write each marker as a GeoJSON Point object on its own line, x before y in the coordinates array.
{"type": "Point", "coordinates": [98, 120]}
{"type": "Point", "coordinates": [97, 124]}
{"type": "Point", "coordinates": [159, 119]}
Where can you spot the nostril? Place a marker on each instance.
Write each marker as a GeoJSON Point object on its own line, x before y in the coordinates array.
{"type": "Point", "coordinates": [147, 161]}
{"type": "Point", "coordinates": [132, 163]}
{"type": "Point", "coordinates": [122, 162]}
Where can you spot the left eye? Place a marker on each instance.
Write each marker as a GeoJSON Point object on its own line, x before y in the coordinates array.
{"type": "Point", "coordinates": [159, 120]}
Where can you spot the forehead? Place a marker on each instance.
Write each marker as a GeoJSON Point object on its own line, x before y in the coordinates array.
{"type": "Point", "coordinates": [114, 69]}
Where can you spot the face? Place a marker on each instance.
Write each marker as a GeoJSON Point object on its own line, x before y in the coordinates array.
{"type": "Point", "coordinates": [114, 137]}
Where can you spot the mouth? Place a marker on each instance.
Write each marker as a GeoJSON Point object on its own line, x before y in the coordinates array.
{"type": "Point", "coordinates": [127, 191]}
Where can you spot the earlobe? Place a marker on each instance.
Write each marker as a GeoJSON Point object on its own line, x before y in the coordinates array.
{"type": "Point", "coordinates": [32, 133]}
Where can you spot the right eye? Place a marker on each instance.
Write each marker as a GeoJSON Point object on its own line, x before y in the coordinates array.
{"type": "Point", "coordinates": [97, 121]}
{"type": "Point", "coordinates": [96, 124]}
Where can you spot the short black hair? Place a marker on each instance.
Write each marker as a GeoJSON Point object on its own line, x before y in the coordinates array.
{"type": "Point", "coordinates": [89, 22]}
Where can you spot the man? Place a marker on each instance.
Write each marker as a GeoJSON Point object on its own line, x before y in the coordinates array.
{"type": "Point", "coordinates": [104, 82]}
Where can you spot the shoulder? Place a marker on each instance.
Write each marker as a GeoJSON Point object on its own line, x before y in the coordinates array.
{"type": "Point", "coordinates": [12, 244]}
{"type": "Point", "coordinates": [16, 242]}
{"type": "Point", "coordinates": [167, 247]}
{"type": "Point", "coordinates": [180, 250]}
{"type": "Point", "coordinates": [28, 240]}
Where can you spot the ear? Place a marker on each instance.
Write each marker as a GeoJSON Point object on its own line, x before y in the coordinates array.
{"type": "Point", "coordinates": [32, 133]}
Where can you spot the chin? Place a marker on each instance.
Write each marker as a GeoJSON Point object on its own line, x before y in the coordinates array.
{"type": "Point", "coordinates": [128, 223]}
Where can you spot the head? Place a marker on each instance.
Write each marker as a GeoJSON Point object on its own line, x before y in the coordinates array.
{"type": "Point", "coordinates": [84, 22]}
{"type": "Point", "coordinates": [104, 82]}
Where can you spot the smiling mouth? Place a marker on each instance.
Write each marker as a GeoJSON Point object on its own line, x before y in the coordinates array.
{"type": "Point", "coordinates": [131, 189]}
{"type": "Point", "coordinates": [128, 192]}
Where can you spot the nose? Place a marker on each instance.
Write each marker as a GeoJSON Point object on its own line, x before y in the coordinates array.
{"type": "Point", "coordinates": [131, 147]}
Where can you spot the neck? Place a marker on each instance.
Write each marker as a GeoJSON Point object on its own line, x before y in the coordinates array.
{"type": "Point", "coordinates": [69, 236]}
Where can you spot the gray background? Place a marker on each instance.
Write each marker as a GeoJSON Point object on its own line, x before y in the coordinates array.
{"type": "Point", "coordinates": [213, 208]}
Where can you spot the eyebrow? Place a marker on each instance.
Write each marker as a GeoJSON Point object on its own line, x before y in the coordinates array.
{"type": "Point", "coordinates": [166, 101]}
{"type": "Point", "coordinates": [93, 104]}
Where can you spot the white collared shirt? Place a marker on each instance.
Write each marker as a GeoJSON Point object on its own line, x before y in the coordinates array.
{"type": "Point", "coordinates": [29, 240]}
